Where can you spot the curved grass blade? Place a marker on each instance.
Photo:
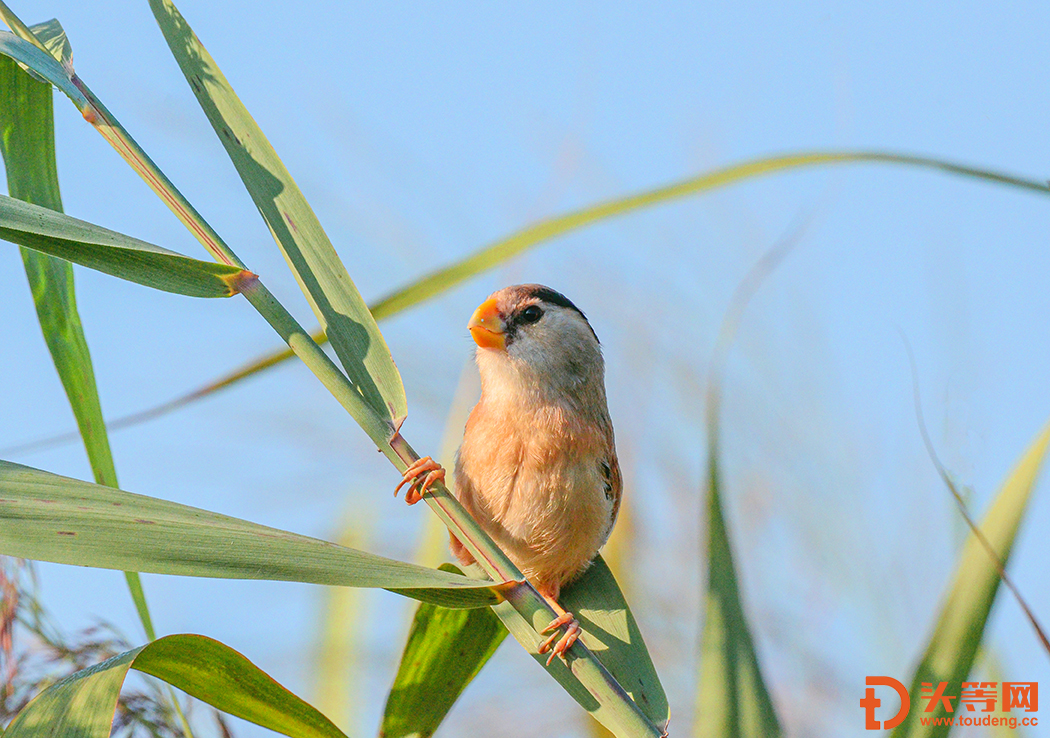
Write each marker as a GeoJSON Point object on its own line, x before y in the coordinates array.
{"type": "Point", "coordinates": [27, 144]}
{"type": "Point", "coordinates": [83, 704]}
{"type": "Point", "coordinates": [321, 274]}
{"type": "Point", "coordinates": [47, 517]}
{"type": "Point", "coordinates": [60, 236]}
{"type": "Point", "coordinates": [445, 651]}
{"type": "Point", "coordinates": [507, 248]}
{"type": "Point", "coordinates": [544, 230]}
{"type": "Point", "coordinates": [952, 648]}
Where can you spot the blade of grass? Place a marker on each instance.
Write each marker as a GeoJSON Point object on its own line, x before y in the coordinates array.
{"type": "Point", "coordinates": [612, 633]}
{"type": "Point", "coordinates": [71, 240]}
{"type": "Point", "coordinates": [52, 38]}
{"type": "Point", "coordinates": [321, 274]}
{"type": "Point", "coordinates": [27, 143]}
{"type": "Point", "coordinates": [445, 651]}
{"type": "Point", "coordinates": [617, 553]}
{"type": "Point", "coordinates": [83, 704]}
{"type": "Point", "coordinates": [957, 635]}
{"type": "Point", "coordinates": [732, 698]}
{"type": "Point", "coordinates": [506, 248]}
{"type": "Point", "coordinates": [47, 517]}
{"type": "Point", "coordinates": [445, 278]}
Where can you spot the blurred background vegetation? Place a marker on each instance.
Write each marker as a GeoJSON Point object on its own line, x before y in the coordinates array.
{"type": "Point", "coordinates": [419, 134]}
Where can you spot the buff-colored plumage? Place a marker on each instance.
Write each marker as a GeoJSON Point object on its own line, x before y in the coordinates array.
{"type": "Point", "coordinates": [532, 466]}
{"type": "Point", "coordinates": [537, 467]}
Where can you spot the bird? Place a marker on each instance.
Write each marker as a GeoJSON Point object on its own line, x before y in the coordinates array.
{"type": "Point", "coordinates": [537, 467]}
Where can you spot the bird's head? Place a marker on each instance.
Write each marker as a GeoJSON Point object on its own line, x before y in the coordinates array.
{"type": "Point", "coordinates": [533, 337]}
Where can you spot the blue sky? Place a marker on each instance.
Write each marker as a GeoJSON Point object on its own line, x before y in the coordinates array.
{"type": "Point", "coordinates": [420, 132]}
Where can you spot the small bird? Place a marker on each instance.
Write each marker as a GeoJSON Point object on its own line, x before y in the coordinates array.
{"type": "Point", "coordinates": [537, 467]}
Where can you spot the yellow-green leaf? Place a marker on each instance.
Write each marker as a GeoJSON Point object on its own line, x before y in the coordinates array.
{"type": "Point", "coordinates": [952, 648]}
{"type": "Point", "coordinates": [53, 37]}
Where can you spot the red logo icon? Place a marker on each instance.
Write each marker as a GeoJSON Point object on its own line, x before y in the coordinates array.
{"type": "Point", "coordinates": [870, 702]}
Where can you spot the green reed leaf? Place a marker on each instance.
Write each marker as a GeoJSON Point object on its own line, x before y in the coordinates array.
{"type": "Point", "coordinates": [445, 651]}
{"type": "Point", "coordinates": [83, 704]}
{"type": "Point", "coordinates": [71, 240]}
{"type": "Point", "coordinates": [27, 144]}
{"type": "Point", "coordinates": [47, 517]}
{"type": "Point", "coordinates": [336, 302]}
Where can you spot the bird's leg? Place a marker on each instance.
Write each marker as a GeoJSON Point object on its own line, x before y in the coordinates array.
{"type": "Point", "coordinates": [416, 487]}
{"type": "Point", "coordinates": [555, 644]}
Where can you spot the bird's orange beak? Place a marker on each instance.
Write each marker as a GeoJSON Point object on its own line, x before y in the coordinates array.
{"type": "Point", "coordinates": [486, 326]}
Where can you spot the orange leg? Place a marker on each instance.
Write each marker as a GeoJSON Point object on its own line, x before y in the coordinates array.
{"type": "Point", "coordinates": [557, 643]}
{"type": "Point", "coordinates": [416, 487]}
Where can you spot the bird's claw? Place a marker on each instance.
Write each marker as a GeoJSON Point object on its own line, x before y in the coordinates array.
{"type": "Point", "coordinates": [557, 643]}
{"type": "Point", "coordinates": [416, 487]}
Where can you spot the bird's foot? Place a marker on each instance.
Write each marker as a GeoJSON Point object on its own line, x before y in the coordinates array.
{"type": "Point", "coordinates": [559, 645]}
{"type": "Point", "coordinates": [418, 487]}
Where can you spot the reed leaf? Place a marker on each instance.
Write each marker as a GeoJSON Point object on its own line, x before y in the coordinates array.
{"type": "Point", "coordinates": [957, 634]}
{"type": "Point", "coordinates": [733, 701]}
{"type": "Point", "coordinates": [445, 651]}
{"type": "Point", "coordinates": [27, 144]}
{"type": "Point", "coordinates": [612, 635]}
{"type": "Point", "coordinates": [71, 240]}
{"type": "Point", "coordinates": [48, 517]}
{"type": "Point", "coordinates": [338, 305]}
{"type": "Point", "coordinates": [83, 704]}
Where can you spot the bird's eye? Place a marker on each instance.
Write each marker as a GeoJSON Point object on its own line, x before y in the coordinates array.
{"type": "Point", "coordinates": [531, 314]}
